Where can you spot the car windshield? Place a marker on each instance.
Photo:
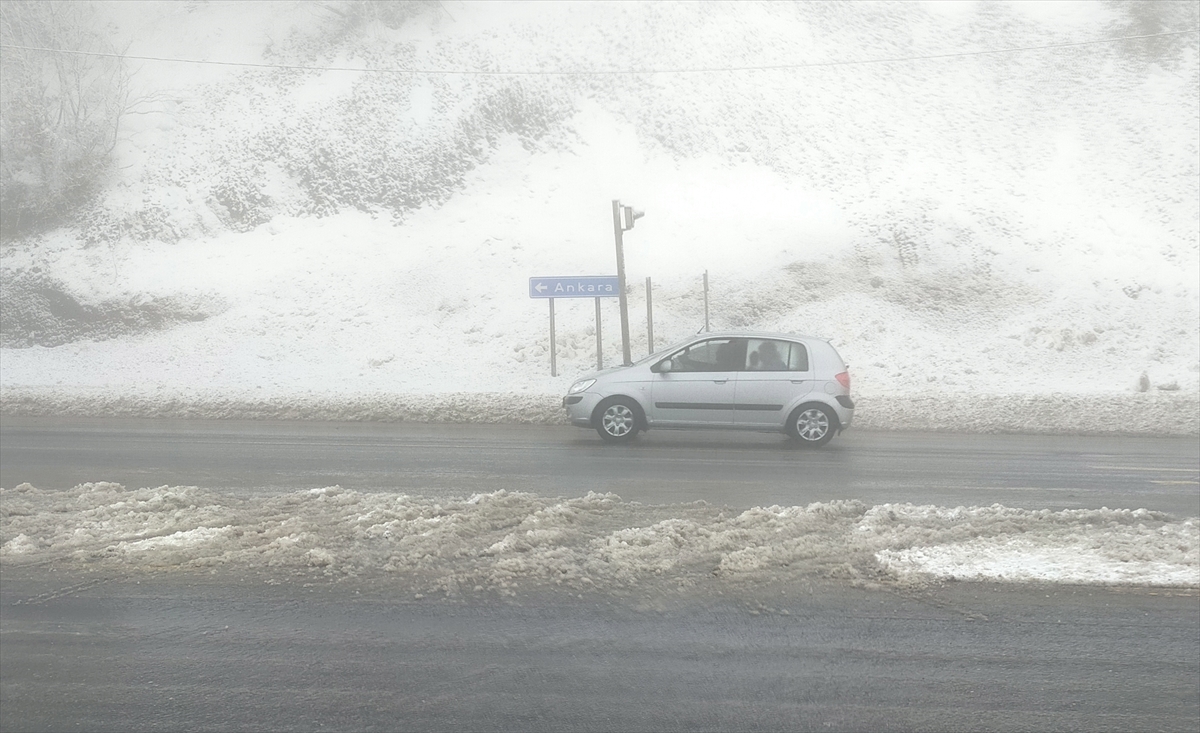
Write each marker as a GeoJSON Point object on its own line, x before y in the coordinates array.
{"type": "Point", "coordinates": [664, 352]}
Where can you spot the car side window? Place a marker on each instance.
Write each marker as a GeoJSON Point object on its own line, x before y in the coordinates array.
{"type": "Point", "coordinates": [797, 358]}
{"type": "Point", "coordinates": [769, 355]}
{"type": "Point", "coordinates": [714, 355]}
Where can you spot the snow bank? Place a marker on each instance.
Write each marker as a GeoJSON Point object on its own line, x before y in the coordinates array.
{"type": "Point", "coordinates": [487, 407]}
{"type": "Point", "coordinates": [502, 540]}
{"type": "Point", "coordinates": [1171, 413]}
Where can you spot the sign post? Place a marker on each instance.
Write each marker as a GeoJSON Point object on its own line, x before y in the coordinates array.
{"type": "Point", "coordinates": [599, 340]}
{"type": "Point", "coordinates": [623, 219]}
{"type": "Point", "coordinates": [618, 230]}
{"type": "Point", "coordinates": [649, 318]}
{"type": "Point", "coordinates": [581, 286]}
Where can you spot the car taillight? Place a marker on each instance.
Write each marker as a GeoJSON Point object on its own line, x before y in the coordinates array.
{"type": "Point", "coordinates": [844, 380]}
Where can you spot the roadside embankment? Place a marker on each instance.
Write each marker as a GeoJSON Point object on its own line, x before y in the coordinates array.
{"type": "Point", "coordinates": [1175, 413]}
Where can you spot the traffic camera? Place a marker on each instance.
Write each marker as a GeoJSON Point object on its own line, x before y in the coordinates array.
{"type": "Point", "coordinates": [628, 216]}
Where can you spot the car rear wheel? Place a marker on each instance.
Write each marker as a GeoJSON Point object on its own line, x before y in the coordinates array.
{"type": "Point", "coordinates": [812, 426]}
{"type": "Point", "coordinates": [617, 420]}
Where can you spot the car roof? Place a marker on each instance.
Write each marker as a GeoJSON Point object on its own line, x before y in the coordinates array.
{"type": "Point", "coordinates": [756, 334]}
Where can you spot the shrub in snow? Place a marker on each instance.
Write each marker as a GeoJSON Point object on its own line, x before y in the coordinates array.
{"type": "Point", "coordinates": [38, 310]}
{"type": "Point", "coordinates": [359, 156]}
{"type": "Point", "coordinates": [353, 16]}
{"type": "Point", "coordinates": [354, 153]}
{"type": "Point", "coordinates": [238, 199]}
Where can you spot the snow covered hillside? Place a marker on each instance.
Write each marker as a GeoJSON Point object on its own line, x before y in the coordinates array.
{"type": "Point", "coordinates": [324, 228]}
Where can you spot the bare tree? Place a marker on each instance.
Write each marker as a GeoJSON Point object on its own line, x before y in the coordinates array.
{"type": "Point", "coordinates": [61, 103]}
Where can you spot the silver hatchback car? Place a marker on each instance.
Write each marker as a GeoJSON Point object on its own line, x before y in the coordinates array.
{"type": "Point", "coordinates": [774, 382]}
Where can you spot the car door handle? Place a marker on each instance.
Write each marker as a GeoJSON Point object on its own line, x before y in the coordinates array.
{"type": "Point", "coordinates": [799, 381]}
{"type": "Point", "coordinates": [720, 381]}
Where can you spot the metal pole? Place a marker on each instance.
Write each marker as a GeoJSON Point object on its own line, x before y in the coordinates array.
{"type": "Point", "coordinates": [649, 318]}
{"type": "Point", "coordinates": [599, 340]}
{"type": "Point", "coordinates": [553, 360]}
{"type": "Point", "coordinates": [621, 282]}
{"type": "Point", "coordinates": [706, 300]}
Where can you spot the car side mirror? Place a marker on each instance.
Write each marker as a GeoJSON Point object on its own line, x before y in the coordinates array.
{"type": "Point", "coordinates": [664, 366]}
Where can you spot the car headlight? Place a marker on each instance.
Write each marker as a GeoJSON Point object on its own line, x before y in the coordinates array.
{"type": "Point", "coordinates": [580, 386]}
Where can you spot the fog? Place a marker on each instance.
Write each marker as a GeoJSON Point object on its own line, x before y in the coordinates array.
{"type": "Point", "coordinates": [332, 209]}
{"type": "Point", "coordinates": [316, 226]}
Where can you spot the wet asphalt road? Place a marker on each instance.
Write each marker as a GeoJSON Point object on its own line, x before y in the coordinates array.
{"type": "Point", "coordinates": [734, 469]}
{"type": "Point", "coordinates": [102, 650]}
{"type": "Point", "coordinates": [173, 653]}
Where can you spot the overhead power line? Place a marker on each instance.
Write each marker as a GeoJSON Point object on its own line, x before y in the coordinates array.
{"type": "Point", "coordinates": [614, 72]}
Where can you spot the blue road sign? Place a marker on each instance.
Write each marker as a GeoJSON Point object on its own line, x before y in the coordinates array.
{"type": "Point", "coordinates": [583, 286]}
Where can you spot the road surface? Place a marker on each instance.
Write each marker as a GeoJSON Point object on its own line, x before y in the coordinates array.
{"type": "Point", "coordinates": [734, 469]}
{"type": "Point", "coordinates": [98, 648]}
{"type": "Point", "coordinates": [210, 653]}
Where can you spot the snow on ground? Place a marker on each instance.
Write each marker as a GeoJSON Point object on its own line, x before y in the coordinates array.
{"type": "Point", "coordinates": [354, 304]}
{"type": "Point", "coordinates": [988, 242]}
{"type": "Point", "coordinates": [504, 540]}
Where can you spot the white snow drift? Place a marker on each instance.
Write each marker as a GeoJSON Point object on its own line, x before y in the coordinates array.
{"type": "Point", "coordinates": [502, 540]}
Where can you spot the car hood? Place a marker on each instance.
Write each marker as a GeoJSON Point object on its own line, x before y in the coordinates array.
{"type": "Point", "coordinates": [611, 371]}
{"type": "Point", "coordinates": [601, 373]}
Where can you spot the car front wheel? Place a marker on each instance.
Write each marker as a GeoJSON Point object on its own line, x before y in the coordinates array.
{"type": "Point", "coordinates": [617, 420]}
{"type": "Point", "coordinates": [812, 426]}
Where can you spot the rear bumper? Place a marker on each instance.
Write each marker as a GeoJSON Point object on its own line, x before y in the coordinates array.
{"type": "Point", "coordinates": [845, 411]}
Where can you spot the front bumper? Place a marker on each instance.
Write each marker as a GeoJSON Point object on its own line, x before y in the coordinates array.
{"type": "Point", "coordinates": [580, 406]}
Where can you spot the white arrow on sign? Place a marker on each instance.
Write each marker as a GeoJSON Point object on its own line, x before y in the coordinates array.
{"type": "Point", "coordinates": [539, 287]}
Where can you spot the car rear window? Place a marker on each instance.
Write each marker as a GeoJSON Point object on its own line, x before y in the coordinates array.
{"type": "Point", "coordinates": [771, 355]}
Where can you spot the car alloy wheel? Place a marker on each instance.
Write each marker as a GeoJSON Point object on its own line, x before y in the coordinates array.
{"type": "Point", "coordinates": [813, 426]}
{"type": "Point", "coordinates": [618, 421]}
